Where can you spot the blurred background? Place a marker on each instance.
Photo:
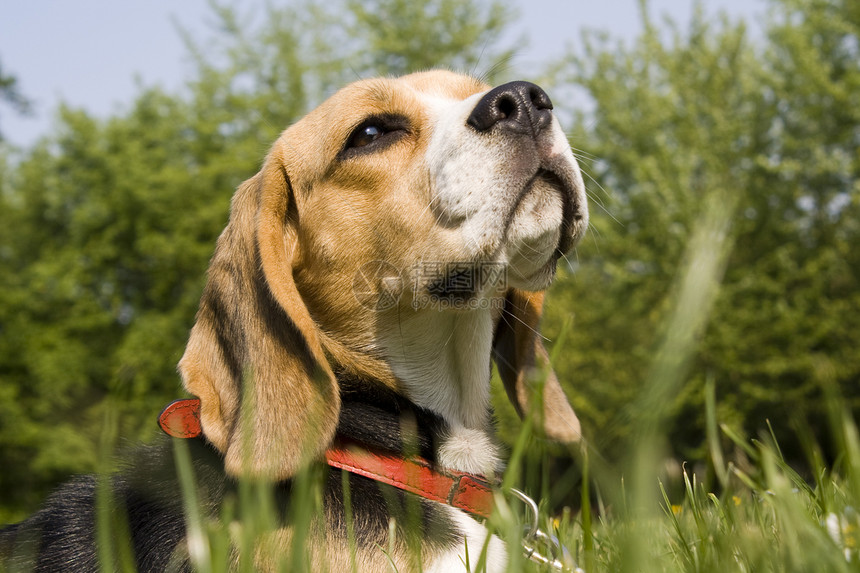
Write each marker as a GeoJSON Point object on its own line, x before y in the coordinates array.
{"type": "Point", "coordinates": [721, 149]}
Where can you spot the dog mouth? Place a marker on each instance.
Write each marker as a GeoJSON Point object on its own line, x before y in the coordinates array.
{"type": "Point", "coordinates": [570, 215]}
{"type": "Point", "coordinates": [562, 183]}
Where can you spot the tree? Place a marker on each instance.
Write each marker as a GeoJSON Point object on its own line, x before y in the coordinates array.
{"type": "Point", "coordinates": [379, 23]}
{"type": "Point", "coordinates": [772, 130]}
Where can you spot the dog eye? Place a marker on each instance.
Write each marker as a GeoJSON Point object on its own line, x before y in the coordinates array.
{"type": "Point", "coordinates": [365, 136]}
{"type": "Point", "coordinates": [374, 134]}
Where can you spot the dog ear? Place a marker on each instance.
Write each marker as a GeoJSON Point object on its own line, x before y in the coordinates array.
{"type": "Point", "coordinates": [269, 399]}
{"type": "Point", "coordinates": [524, 367]}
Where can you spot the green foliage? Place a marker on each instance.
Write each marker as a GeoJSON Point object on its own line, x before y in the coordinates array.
{"type": "Point", "coordinates": [106, 227]}
{"type": "Point", "coordinates": [718, 289]}
{"type": "Point", "coordinates": [685, 121]}
{"type": "Point", "coordinates": [381, 23]}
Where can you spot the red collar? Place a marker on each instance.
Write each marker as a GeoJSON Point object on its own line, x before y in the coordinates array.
{"type": "Point", "coordinates": [471, 493]}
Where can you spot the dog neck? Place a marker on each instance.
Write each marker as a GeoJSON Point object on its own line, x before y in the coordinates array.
{"type": "Point", "coordinates": [442, 360]}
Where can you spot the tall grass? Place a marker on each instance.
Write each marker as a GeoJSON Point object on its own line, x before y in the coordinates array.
{"type": "Point", "coordinates": [763, 517]}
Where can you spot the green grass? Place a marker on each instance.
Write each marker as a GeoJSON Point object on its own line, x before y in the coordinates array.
{"type": "Point", "coordinates": [757, 514]}
{"type": "Point", "coordinates": [762, 516]}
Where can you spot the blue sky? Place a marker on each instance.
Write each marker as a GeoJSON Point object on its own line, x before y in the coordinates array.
{"type": "Point", "coordinates": [95, 53]}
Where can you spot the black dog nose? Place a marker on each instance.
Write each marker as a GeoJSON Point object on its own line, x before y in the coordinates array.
{"type": "Point", "coordinates": [520, 107]}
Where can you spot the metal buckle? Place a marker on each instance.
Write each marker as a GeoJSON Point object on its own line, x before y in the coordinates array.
{"type": "Point", "coordinates": [536, 540]}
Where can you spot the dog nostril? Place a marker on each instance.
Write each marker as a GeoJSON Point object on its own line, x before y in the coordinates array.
{"type": "Point", "coordinates": [539, 98]}
{"type": "Point", "coordinates": [506, 106]}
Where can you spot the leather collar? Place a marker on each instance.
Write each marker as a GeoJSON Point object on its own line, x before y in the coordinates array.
{"type": "Point", "coordinates": [469, 492]}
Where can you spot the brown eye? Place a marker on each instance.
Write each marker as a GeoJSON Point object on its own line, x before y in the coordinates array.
{"type": "Point", "coordinates": [375, 134]}
{"type": "Point", "coordinates": [365, 136]}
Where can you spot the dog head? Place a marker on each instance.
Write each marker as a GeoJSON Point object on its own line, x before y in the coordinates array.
{"type": "Point", "coordinates": [363, 217]}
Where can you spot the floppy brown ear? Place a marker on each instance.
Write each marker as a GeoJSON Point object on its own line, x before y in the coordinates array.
{"type": "Point", "coordinates": [524, 367]}
{"type": "Point", "coordinates": [269, 399]}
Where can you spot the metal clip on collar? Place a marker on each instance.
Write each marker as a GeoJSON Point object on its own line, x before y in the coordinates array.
{"type": "Point", "coordinates": [559, 558]}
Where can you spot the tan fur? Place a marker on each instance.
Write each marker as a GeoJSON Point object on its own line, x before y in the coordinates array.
{"type": "Point", "coordinates": [524, 367]}
{"type": "Point", "coordinates": [275, 553]}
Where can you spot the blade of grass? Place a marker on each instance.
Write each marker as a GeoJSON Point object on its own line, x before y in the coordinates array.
{"type": "Point", "coordinates": [113, 537]}
{"type": "Point", "coordinates": [197, 539]}
{"type": "Point", "coordinates": [587, 531]}
{"type": "Point", "coordinates": [714, 449]}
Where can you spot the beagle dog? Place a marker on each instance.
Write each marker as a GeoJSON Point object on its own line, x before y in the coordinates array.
{"type": "Point", "coordinates": [396, 240]}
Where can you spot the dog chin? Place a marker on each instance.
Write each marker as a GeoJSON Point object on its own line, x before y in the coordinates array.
{"type": "Point", "coordinates": [532, 263]}
{"type": "Point", "coordinates": [535, 227]}
{"type": "Point", "coordinates": [532, 247]}
{"type": "Point", "coordinates": [537, 280]}
{"type": "Point", "coordinates": [528, 245]}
